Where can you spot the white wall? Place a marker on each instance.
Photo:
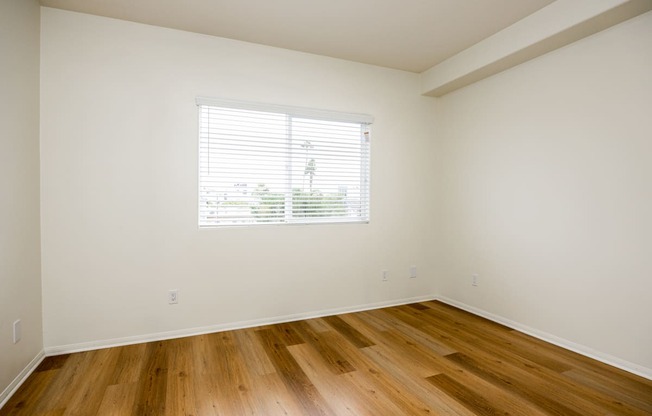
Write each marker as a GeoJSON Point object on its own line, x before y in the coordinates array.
{"type": "Point", "coordinates": [546, 193]}
{"type": "Point", "coordinates": [119, 185]}
{"type": "Point", "coordinates": [20, 265]}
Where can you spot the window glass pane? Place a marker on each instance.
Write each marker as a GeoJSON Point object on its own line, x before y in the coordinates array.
{"type": "Point", "coordinates": [258, 167]}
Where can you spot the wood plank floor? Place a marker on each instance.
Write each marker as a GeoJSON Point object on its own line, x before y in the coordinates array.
{"type": "Point", "coordinates": [421, 359]}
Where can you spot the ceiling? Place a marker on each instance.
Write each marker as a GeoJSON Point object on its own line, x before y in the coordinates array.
{"type": "Point", "coordinates": [411, 35]}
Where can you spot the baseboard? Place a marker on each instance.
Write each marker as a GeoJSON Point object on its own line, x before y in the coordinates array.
{"type": "Point", "coordinates": [20, 378]}
{"type": "Point", "coordinates": [561, 342]}
{"type": "Point", "coordinates": [160, 336]}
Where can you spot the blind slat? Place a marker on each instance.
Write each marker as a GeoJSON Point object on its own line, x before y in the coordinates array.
{"type": "Point", "coordinates": [261, 164]}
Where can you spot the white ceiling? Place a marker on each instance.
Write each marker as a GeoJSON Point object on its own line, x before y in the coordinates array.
{"type": "Point", "coordinates": [411, 35]}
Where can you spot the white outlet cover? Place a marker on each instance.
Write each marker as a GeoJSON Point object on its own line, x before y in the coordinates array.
{"type": "Point", "coordinates": [18, 331]}
{"type": "Point", "coordinates": [173, 297]}
{"type": "Point", "coordinates": [413, 272]}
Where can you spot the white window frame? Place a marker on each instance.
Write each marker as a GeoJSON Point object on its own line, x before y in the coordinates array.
{"type": "Point", "coordinates": [212, 219]}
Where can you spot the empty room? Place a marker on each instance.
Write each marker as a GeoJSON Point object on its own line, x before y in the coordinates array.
{"type": "Point", "coordinates": [221, 207]}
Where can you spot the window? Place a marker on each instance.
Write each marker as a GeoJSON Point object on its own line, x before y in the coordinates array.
{"type": "Point", "coordinates": [265, 164]}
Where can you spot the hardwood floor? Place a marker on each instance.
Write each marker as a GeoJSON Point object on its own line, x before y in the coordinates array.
{"type": "Point", "coordinates": [420, 359]}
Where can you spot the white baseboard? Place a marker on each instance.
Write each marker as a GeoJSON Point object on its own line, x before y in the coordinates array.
{"type": "Point", "coordinates": [561, 342]}
{"type": "Point", "coordinates": [160, 336]}
{"type": "Point", "coordinates": [20, 378]}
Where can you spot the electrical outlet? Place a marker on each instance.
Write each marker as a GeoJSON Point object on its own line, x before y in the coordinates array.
{"type": "Point", "coordinates": [173, 297]}
{"type": "Point", "coordinates": [474, 279]}
{"type": "Point", "coordinates": [18, 330]}
{"type": "Point", "coordinates": [385, 275]}
{"type": "Point", "coordinates": [413, 272]}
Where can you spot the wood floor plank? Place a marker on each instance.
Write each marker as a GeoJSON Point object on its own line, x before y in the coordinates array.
{"type": "Point", "coordinates": [88, 396]}
{"type": "Point", "coordinates": [626, 382]}
{"type": "Point", "coordinates": [287, 334]}
{"type": "Point", "coordinates": [207, 400]}
{"type": "Point", "coordinates": [69, 379]}
{"type": "Point", "coordinates": [486, 331]}
{"type": "Point", "coordinates": [418, 306]}
{"type": "Point", "coordinates": [473, 399]}
{"type": "Point", "coordinates": [403, 367]}
{"type": "Point", "coordinates": [334, 361]}
{"type": "Point", "coordinates": [131, 364]}
{"type": "Point", "coordinates": [348, 331]}
{"type": "Point", "coordinates": [551, 401]}
{"type": "Point", "coordinates": [425, 358]}
{"type": "Point", "coordinates": [318, 325]}
{"type": "Point", "coordinates": [513, 378]}
{"type": "Point", "coordinates": [180, 388]}
{"type": "Point", "coordinates": [273, 397]}
{"type": "Point", "coordinates": [611, 387]}
{"type": "Point", "coordinates": [498, 334]}
{"type": "Point", "coordinates": [231, 376]}
{"type": "Point", "coordinates": [339, 396]}
{"type": "Point", "coordinates": [436, 402]}
{"type": "Point", "coordinates": [222, 385]}
{"type": "Point", "coordinates": [370, 374]}
{"type": "Point", "coordinates": [498, 371]}
{"type": "Point", "coordinates": [544, 376]}
{"type": "Point", "coordinates": [150, 397]}
{"type": "Point", "coordinates": [55, 412]}
{"type": "Point", "coordinates": [394, 341]}
{"type": "Point", "coordinates": [411, 331]}
{"type": "Point", "coordinates": [118, 400]}
{"type": "Point", "coordinates": [53, 363]}
{"type": "Point", "coordinates": [24, 401]}
{"type": "Point", "coordinates": [257, 360]}
{"type": "Point", "coordinates": [407, 352]}
{"type": "Point", "coordinates": [291, 373]}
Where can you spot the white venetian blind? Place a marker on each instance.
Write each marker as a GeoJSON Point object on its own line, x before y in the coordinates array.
{"type": "Point", "coordinates": [266, 164]}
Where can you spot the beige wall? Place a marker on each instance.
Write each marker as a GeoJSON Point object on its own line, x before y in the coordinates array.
{"type": "Point", "coordinates": [546, 193]}
{"type": "Point", "coordinates": [119, 185]}
{"type": "Point", "coordinates": [20, 265]}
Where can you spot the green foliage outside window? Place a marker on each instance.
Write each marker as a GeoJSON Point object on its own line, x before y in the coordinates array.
{"type": "Point", "coordinates": [270, 206]}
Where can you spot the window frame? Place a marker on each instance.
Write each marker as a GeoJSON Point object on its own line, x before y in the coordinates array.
{"type": "Point", "coordinates": [364, 121]}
